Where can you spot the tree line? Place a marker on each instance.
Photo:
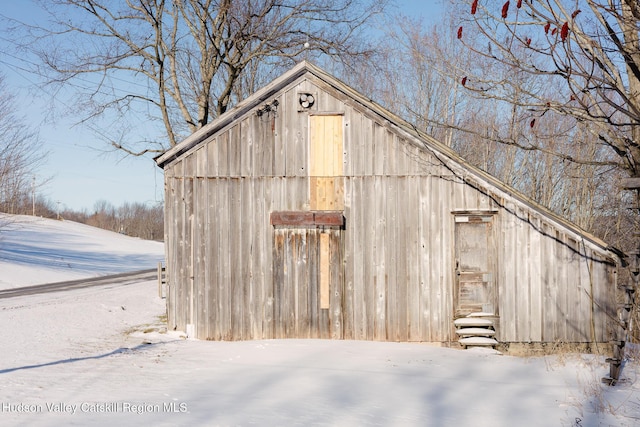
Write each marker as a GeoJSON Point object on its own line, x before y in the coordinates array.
{"type": "Point", "coordinates": [132, 219]}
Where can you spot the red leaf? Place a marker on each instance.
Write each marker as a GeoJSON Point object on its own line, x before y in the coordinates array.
{"type": "Point", "coordinates": [460, 32]}
{"type": "Point", "coordinates": [474, 7]}
{"type": "Point", "coordinates": [533, 122]}
{"type": "Point", "coordinates": [505, 9]}
{"type": "Point", "coordinates": [574, 14]}
{"type": "Point", "coordinates": [546, 27]}
{"type": "Point", "coordinates": [573, 98]}
{"type": "Point", "coordinates": [554, 31]}
{"type": "Point", "coordinates": [519, 5]}
{"type": "Point", "coordinates": [564, 32]}
{"type": "Point", "coordinates": [464, 81]}
{"type": "Point", "coordinates": [528, 42]}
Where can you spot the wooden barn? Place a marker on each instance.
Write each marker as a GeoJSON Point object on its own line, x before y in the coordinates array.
{"type": "Point", "coordinates": [309, 211]}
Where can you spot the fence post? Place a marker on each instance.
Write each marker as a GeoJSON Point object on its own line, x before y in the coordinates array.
{"type": "Point", "coordinates": [160, 279]}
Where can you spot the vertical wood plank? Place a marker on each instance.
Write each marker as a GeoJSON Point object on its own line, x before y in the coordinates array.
{"type": "Point", "coordinates": [349, 263]}
{"type": "Point", "coordinates": [288, 298]}
{"type": "Point", "coordinates": [348, 143]}
{"type": "Point", "coordinates": [201, 162]}
{"type": "Point", "coordinates": [279, 144]}
{"type": "Point", "coordinates": [262, 261]}
{"type": "Point", "coordinates": [189, 232]}
{"type": "Point", "coordinates": [448, 269]}
{"type": "Point", "coordinates": [224, 259]}
{"type": "Point", "coordinates": [438, 289]}
{"type": "Point", "coordinates": [266, 147]}
{"type": "Point", "coordinates": [336, 284]}
{"type": "Point", "coordinates": [245, 145]}
{"type": "Point", "coordinates": [391, 261]}
{"type": "Point", "coordinates": [378, 149]}
{"type": "Point", "coordinates": [508, 309]}
{"type": "Point", "coordinates": [224, 169]}
{"type": "Point", "coordinates": [268, 244]}
{"type": "Point", "coordinates": [213, 261]}
{"type": "Point", "coordinates": [236, 262]}
{"type": "Point", "coordinates": [369, 258]}
{"type": "Point", "coordinates": [324, 270]}
{"type": "Point", "coordinates": [410, 265]}
{"type": "Point", "coordinates": [535, 254]}
{"type": "Point", "coordinates": [313, 246]}
{"type": "Point", "coordinates": [424, 266]}
{"type": "Point", "coordinates": [366, 147]}
{"type": "Point", "coordinates": [303, 297]}
{"type": "Point", "coordinates": [561, 284]}
{"type": "Point", "coordinates": [200, 245]}
{"type": "Point", "coordinates": [521, 277]}
{"type": "Point", "coordinates": [548, 282]}
{"type": "Point", "coordinates": [180, 244]}
{"type": "Point", "coordinates": [380, 275]}
{"type": "Point", "coordinates": [212, 158]}
{"type": "Point", "coordinates": [172, 240]}
{"type": "Point", "coordinates": [245, 241]}
{"type": "Point", "coordinates": [585, 292]}
{"type": "Point", "coordinates": [278, 281]}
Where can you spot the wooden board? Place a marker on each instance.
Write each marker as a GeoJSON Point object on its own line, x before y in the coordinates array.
{"type": "Point", "coordinates": [325, 270]}
{"type": "Point", "coordinates": [326, 189]}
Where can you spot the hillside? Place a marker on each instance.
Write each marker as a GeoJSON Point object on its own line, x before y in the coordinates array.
{"type": "Point", "coordinates": [39, 250]}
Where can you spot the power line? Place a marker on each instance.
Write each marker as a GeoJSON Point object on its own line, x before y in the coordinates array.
{"type": "Point", "coordinates": [34, 64]}
{"type": "Point", "coordinates": [90, 85]}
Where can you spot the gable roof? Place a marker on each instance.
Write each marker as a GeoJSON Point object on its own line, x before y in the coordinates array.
{"type": "Point", "coordinates": [464, 170]}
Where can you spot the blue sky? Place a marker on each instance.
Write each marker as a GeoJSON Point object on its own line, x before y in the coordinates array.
{"type": "Point", "coordinates": [78, 172]}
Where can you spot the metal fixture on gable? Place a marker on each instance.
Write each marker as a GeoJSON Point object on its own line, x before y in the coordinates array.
{"type": "Point", "coordinates": [306, 100]}
{"type": "Point", "coordinates": [273, 106]}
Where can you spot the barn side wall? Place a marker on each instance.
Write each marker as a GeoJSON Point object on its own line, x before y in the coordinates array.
{"type": "Point", "coordinates": [399, 203]}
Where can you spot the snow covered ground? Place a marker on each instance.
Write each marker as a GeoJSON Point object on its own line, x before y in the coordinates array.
{"type": "Point", "coordinates": [101, 356]}
{"type": "Point", "coordinates": [38, 250]}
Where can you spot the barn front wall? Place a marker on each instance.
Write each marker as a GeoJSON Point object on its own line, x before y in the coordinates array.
{"type": "Point", "coordinates": [422, 242]}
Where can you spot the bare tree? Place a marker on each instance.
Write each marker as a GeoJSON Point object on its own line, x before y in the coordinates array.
{"type": "Point", "coordinates": [424, 70]}
{"type": "Point", "coordinates": [185, 62]}
{"type": "Point", "coordinates": [20, 155]}
{"type": "Point", "coordinates": [587, 50]}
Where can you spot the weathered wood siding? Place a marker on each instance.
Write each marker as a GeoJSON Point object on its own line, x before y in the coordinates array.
{"type": "Point", "coordinates": [397, 274]}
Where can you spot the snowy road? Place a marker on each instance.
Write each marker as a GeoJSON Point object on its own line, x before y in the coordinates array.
{"type": "Point", "coordinates": [119, 279]}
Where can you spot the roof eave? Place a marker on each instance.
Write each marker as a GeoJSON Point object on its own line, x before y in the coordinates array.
{"type": "Point", "coordinates": [230, 116]}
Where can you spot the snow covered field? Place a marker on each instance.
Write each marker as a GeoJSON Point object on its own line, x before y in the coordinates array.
{"type": "Point", "coordinates": [38, 250]}
{"type": "Point", "coordinates": [100, 356]}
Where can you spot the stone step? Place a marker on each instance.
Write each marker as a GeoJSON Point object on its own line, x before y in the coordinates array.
{"type": "Point", "coordinates": [475, 332]}
{"type": "Point", "coordinates": [468, 322]}
{"type": "Point", "coordinates": [478, 342]}
{"type": "Point", "coordinates": [481, 314]}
